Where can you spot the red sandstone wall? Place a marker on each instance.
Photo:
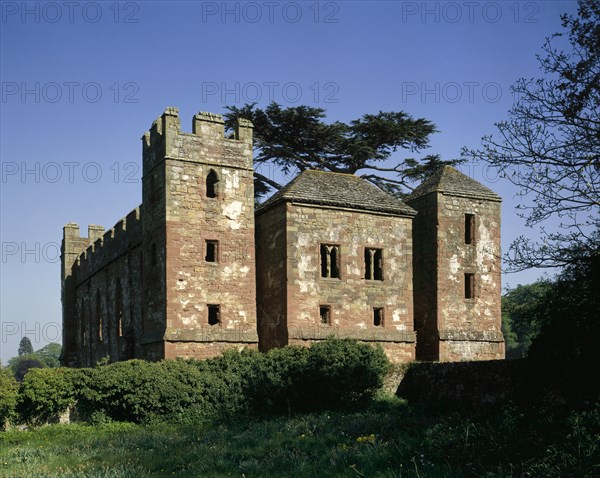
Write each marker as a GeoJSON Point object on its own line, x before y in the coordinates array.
{"type": "Point", "coordinates": [192, 218]}
{"type": "Point", "coordinates": [425, 230]}
{"type": "Point", "coordinates": [271, 300]}
{"type": "Point", "coordinates": [351, 297]}
{"type": "Point", "coordinates": [470, 329]}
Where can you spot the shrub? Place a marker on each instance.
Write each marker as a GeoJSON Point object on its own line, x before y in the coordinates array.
{"type": "Point", "coordinates": [343, 374]}
{"type": "Point", "coordinates": [280, 389]}
{"type": "Point", "coordinates": [229, 379]}
{"type": "Point", "coordinates": [8, 396]}
{"type": "Point", "coordinates": [333, 374]}
{"type": "Point", "coordinates": [140, 391]}
{"type": "Point", "coordinates": [47, 392]}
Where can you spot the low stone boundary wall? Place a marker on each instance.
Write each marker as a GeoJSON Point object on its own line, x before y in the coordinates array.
{"type": "Point", "coordinates": [473, 382]}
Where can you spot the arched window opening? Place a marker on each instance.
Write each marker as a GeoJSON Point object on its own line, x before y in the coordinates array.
{"type": "Point", "coordinates": [211, 184]}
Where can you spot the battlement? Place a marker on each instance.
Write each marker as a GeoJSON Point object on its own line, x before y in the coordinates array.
{"type": "Point", "coordinates": [103, 247]}
{"type": "Point", "coordinates": [165, 139]}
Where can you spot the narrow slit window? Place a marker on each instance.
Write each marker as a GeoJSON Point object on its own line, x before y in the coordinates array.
{"type": "Point", "coordinates": [373, 264]}
{"type": "Point", "coordinates": [99, 318]}
{"type": "Point", "coordinates": [325, 314]}
{"type": "Point", "coordinates": [469, 228]}
{"type": "Point", "coordinates": [212, 181]}
{"type": "Point", "coordinates": [214, 314]}
{"type": "Point", "coordinates": [212, 251]}
{"type": "Point", "coordinates": [330, 261]}
{"type": "Point", "coordinates": [119, 309]}
{"type": "Point", "coordinates": [469, 286]}
{"type": "Point", "coordinates": [378, 316]}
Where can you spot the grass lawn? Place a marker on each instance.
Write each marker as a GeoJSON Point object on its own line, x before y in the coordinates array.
{"type": "Point", "coordinates": [390, 439]}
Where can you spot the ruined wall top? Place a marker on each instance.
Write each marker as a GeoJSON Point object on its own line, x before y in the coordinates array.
{"type": "Point", "coordinates": [102, 247]}
{"type": "Point", "coordinates": [166, 140]}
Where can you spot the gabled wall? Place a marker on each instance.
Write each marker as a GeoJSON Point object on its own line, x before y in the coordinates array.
{"type": "Point", "coordinates": [295, 300]}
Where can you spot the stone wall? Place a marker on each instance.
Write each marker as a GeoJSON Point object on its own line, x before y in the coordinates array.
{"type": "Point", "coordinates": [425, 230]}
{"type": "Point", "coordinates": [471, 382]}
{"type": "Point", "coordinates": [102, 293]}
{"type": "Point", "coordinates": [271, 277]}
{"type": "Point", "coordinates": [193, 220]}
{"type": "Point", "coordinates": [351, 297]}
{"type": "Point", "coordinates": [451, 325]}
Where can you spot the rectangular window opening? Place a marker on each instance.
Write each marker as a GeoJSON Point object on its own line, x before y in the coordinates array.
{"type": "Point", "coordinates": [214, 314]}
{"type": "Point", "coordinates": [325, 314]}
{"type": "Point", "coordinates": [378, 316]}
{"type": "Point", "coordinates": [469, 228]}
{"type": "Point", "coordinates": [469, 286]}
{"type": "Point", "coordinates": [330, 261]}
{"type": "Point", "coordinates": [373, 263]}
{"type": "Point", "coordinates": [212, 251]}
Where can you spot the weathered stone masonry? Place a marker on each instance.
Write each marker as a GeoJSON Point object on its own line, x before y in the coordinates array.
{"type": "Point", "coordinates": [152, 275]}
{"type": "Point", "coordinates": [457, 269]}
{"type": "Point", "coordinates": [325, 209]}
{"type": "Point", "coordinates": [179, 276]}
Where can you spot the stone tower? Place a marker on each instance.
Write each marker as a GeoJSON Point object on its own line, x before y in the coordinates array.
{"type": "Point", "coordinates": [456, 236]}
{"type": "Point", "coordinates": [176, 276]}
{"type": "Point", "coordinates": [198, 238]}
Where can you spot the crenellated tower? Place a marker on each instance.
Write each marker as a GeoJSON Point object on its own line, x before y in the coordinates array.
{"type": "Point", "coordinates": [176, 277]}
{"type": "Point", "coordinates": [198, 238]}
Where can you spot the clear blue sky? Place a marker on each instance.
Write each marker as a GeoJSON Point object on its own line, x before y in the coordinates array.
{"type": "Point", "coordinates": [82, 82]}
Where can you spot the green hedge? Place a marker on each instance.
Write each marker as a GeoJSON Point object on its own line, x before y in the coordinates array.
{"type": "Point", "coordinates": [47, 392]}
{"type": "Point", "coordinates": [332, 374]}
{"type": "Point", "coordinates": [8, 396]}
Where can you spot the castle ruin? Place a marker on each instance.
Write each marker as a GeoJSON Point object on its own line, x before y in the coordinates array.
{"type": "Point", "coordinates": [195, 269]}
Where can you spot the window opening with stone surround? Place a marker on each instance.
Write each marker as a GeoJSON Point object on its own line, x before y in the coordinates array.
{"type": "Point", "coordinates": [212, 181]}
{"type": "Point", "coordinates": [119, 309]}
{"type": "Point", "coordinates": [325, 314]}
{"type": "Point", "coordinates": [153, 255]}
{"type": "Point", "coordinates": [373, 263]}
{"type": "Point", "coordinates": [214, 314]}
{"type": "Point", "coordinates": [212, 251]}
{"type": "Point", "coordinates": [82, 323]}
{"type": "Point", "coordinates": [99, 320]}
{"type": "Point", "coordinates": [469, 285]}
{"type": "Point", "coordinates": [330, 261]}
{"type": "Point", "coordinates": [378, 316]}
{"type": "Point", "coordinates": [469, 228]}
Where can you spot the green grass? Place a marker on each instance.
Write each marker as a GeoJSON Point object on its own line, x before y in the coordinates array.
{"type": "Point", "coordinates": [390, 439]}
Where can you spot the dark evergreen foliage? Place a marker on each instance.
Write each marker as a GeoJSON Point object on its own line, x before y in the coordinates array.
{"type": "Point", "coordinates": [297, 138]}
